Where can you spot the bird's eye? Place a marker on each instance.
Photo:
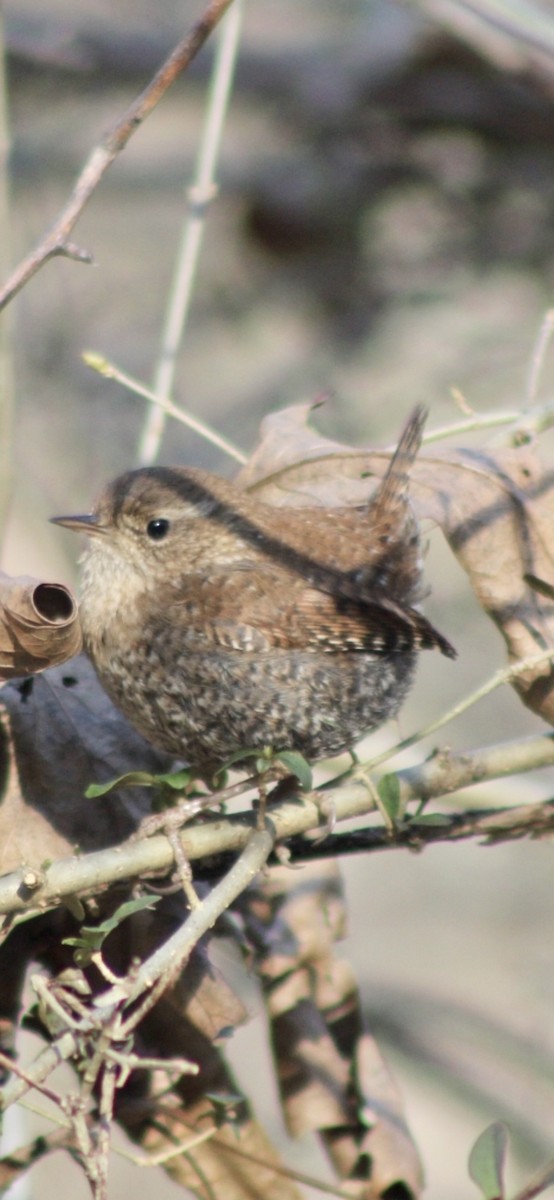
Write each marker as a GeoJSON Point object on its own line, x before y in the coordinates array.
{"type": "Point", "coordinates": [158, 529]}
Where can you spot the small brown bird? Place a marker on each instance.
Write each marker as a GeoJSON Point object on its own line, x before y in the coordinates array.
{"type": "Point", "coordinates": [219, 624]}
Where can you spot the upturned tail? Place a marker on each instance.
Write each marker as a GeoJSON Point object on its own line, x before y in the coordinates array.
{"type": "Point", "coordinates": [393, 488]}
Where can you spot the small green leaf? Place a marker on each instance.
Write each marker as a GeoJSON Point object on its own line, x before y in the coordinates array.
{"type": "Point", "coordinates": [298, 766]}
{"type": "Point", "coordinates": [127, 909]}
{"type": "Point", "coordinates": [236, 758]}
{"type": "Point", "coordinates": [178, 780]}
{"type": "Point", "coordinates": [388, 789]}
{"type": "Point", "coordinates": [131, 779]}
{"type": "Point", "coordinates": [92, 936]}
{"type": "Point", "coordinates": [487, 1161]}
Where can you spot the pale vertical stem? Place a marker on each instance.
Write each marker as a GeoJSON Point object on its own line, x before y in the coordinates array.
{"type": "Point", "coordinates": [199, 198]}
{"type": "Point", "coordinates": [6, 363]}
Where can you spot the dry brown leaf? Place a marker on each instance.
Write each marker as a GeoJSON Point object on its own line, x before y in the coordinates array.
{"type": "Point", "coordinates": [66, 734]}
{"type": "Point", "coordinates": [201, 994]}
{"type": "Point", "coordinates": [331, 1073]}
{"type": "Point", "coordinates": [496, 510]}
{"type": "Point", "coordinates": [39, 625]}
{"type": "Point", "coordinates": [220, 1166]}
{"type": "Point", "coordinates": [238, 1163]}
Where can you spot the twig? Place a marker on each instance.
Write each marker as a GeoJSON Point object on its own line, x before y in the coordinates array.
{"type": "Point", "coordinates": [98, 363]}
{"type": "Point", "coordinates": [531, 421]}
{"type": "Point", "coordinates": [11, 1066]}
{"type": "Point", "coordinates": [165, 1156]}
{"type": "Point", "coordinates": [447, 772]}
{"type": "Point", "coordinates": [329, 1189]}
{"type": "Point", "coordinates": [497, 825]}
{"type": "Point", "coordinates": [168, 960]}
{"type": "Point", "coordinates": [532, 28]}
{"type": "Point", "coordinates": [45, 1062]}
{"type": "Point", "coordinates": [506, 675]}
{"type": "Point", "coordinates": [16, 1161]}
{"type": "Point", "coordinates": [537, 359]}
{"type": "Point", "coordinates": [538, 1183]}
{"type": "Point", "coordinates": [55, 241]}
{"type": "Point", "coordinates": [200, 196]}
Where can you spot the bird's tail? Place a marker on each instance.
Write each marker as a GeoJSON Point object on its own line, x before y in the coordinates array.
{"type": "Point", "coordinates": [393, 488]}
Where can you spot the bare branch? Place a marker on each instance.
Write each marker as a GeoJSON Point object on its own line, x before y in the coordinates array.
{"type": "Point", "coordinates": [440, 775]}
{"type": "Point", "coordinates": [56, 242]}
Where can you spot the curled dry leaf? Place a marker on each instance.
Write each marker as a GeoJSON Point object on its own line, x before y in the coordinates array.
{"type": "Point", "coordinates": [39, 625]}
{"type": "Point", "coordinates": [496, 510]}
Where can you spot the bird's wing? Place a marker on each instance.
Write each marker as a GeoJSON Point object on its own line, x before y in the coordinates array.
{"type": "Point", "coordinates": [253, 610]}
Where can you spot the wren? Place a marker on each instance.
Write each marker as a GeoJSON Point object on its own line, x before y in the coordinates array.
{"type": "Point", "coordinates": [218, 624]}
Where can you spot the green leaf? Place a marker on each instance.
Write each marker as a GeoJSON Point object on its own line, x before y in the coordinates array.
{"type": "Point", "coordinates": [178, 780]}
{"type": "Point", "coordinates": [131, 779]}
{"type": "Point", "coordinates": [298, 766]}
{"type": "Point", "coordinates": [92, 936]}
{"type": "Point", "coordinates": [487, 1161]}
{"type": "Point", "coordinates": [238, 757]}
{"type": "Point", "coordinates": [388, 789]}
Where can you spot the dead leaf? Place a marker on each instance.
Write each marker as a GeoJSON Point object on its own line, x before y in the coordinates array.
{"type": "Point", "coordinates": [39, 625]}
{"type": "Point", "coordinates": [496, 509]}
{"type": "Point", "coordinates": [201, 993]}
{"type": "Point", "coordinates": [65, 734]}
{"type": "Point", "coordinates": [331, 1073]}
{"type": "Point", "coordinates": [220, 1166]}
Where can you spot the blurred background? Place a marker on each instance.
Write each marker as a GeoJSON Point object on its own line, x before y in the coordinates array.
{"type": "Point", "coordinates": [384, 232]}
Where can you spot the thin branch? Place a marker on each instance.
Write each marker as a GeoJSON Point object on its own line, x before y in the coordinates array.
{"type": "Point", "coordinates": [538, 1183]}
{"type": "Point", "coordinates": [329, 1189]}
{"type": "Point", "coordinates": [98, 363]}
{"type": "Point", "coordinates": [13, 1164]}
{"type": "Point", "coordinates": [167, 961]}
{"type": "Point", "coordinates": [447, 771]}
{"type": "Point", "coordinates": [505, 675]}
{"type": "Point", "coordinates": [529, 421]}
{"type": "Point", "coordinates": [494, 825]}
{"type": "Point", "coordinates": [43, 1065]}
{"type": "Point", "coordinates": [200, 196]}
{"type": "Point", "coordinates": [538, 355]}
{"type": "Point", "coordinates": [56, 242]}
{"type": "Point", "coordinates": [440, 775]}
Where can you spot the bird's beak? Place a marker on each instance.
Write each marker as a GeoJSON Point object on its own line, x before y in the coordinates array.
{"type": "Point", "coordinates": [85, 523]}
